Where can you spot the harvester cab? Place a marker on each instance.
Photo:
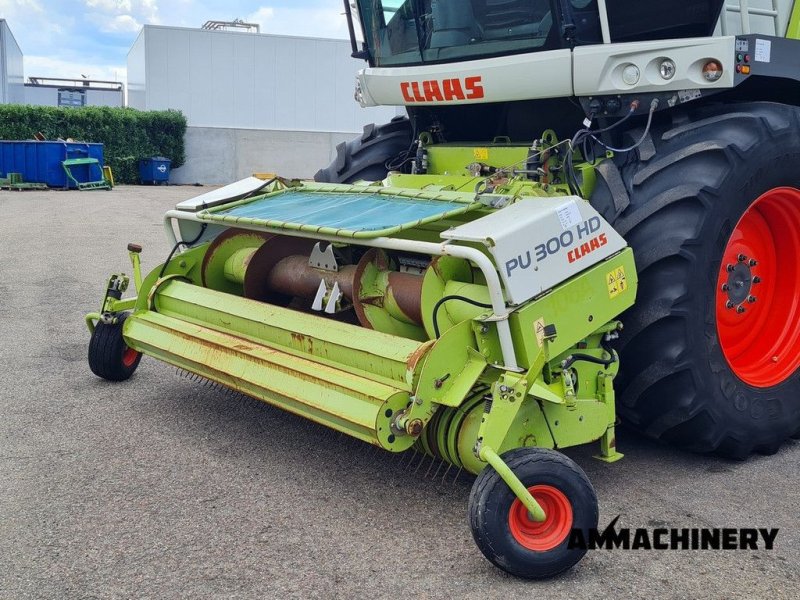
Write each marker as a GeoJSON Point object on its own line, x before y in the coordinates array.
{"type": "Point", "coordinates": [453, 282]}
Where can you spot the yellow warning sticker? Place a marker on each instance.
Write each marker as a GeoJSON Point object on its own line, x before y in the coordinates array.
{"type": "Point", "coordinates": [617, 282]}
{"type": "Point", "coordinates": [481, 153]}
{"type": "Point", "coordinates": [539, 327]}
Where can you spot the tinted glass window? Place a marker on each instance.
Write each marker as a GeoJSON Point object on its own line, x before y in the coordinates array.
{"type": "Point", "coordinates": [421, 31]}
{"type": "Point", "coordinates": [634, 20]}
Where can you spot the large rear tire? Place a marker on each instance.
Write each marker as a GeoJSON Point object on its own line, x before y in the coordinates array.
{"type": "Point", "coordinates": [365, 158]}
{"type": "Point", "coordinates": [711, 350]}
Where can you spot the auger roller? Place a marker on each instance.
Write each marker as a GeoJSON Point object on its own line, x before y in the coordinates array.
{"type": "Point", "coordinates": [422, 320]}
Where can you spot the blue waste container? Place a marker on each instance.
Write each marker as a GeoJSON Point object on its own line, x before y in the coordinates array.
{"type": "Point", "coordinates": [154, 170]}
{"type": "Point", "coordinates": [40, 162]}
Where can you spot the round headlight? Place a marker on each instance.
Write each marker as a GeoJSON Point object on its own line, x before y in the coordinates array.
{"type": "Point", "coordinates": [631, 74]}
{"type": "Point", "coordinates": [359, 93]}
{"type": "Point", "coordinates": [667, 69]}
{"type": "Point", "coordinates": [712, 71]}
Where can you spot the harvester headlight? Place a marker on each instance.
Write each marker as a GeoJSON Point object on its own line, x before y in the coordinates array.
{"type": "Point", "coordinates": [359, 93]}
{"type": "Point", "coordinates": [667, 69]}
{"type": "Point", "coordinates": [631, 74]}
{"type": "Point", "coordinates": [712, 71]}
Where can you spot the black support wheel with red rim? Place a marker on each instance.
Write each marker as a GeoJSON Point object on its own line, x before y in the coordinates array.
{"type": "Point", "coordinates": [711, 207]}
{"type": "Point", "coordinates": [506, 533]}
{"type": "Point", "coordinates": [109, 356]}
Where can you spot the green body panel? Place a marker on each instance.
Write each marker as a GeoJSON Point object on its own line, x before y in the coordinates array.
{"type": "Point", "coordinates": [572, 426]}
{"type": "Point", "coordinates": [451, 368]}
{"type": "Point", "coordinates": [533, 412]}
{"type": "Point", "coordinates": [793, 30]}
{"type": "Point", "coordinates": [528, 429]}
{"type": "Point", "coordinates": [447, 169]}
{"type": "Point", "coordinates": [186, 266]}
{"type": "Point", "coordinates": [443, 269]}
{"type": "Point", "coordinates": [434, 182]}
{"type": "Point", "coordinates": [448, 159]}
{"type": "Point", "coordinates": [577, 308]}
{"type": "Point", "coordinates": [387, 359]}
{"type": "Point", "coordinates": [353, 404]}
{"type": "Point", "coordinates": [446, 181]}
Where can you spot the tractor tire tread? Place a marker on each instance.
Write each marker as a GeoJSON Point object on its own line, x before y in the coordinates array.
{"type": "Point", "coordinates": [365, 157]}
{"type": "Point", "coordinates": [106, 348]}
{"type": "Point", "coordinates": [677, 196]}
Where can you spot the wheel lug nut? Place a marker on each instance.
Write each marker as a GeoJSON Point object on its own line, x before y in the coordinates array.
{"type": "Point", "coordinates": [741, 258]}
{"type": "Point", "coordinates": [725, 287]}
{"type": "Point", "coordinates": [729, 304]}
{"type": "Point", "coordinates": [756, 279]}
{"type": "Point", "coordinates": [729, 268]}
{"type": "Point", "coordinates": [753, 262]}
{"type": "Point", "coordinates": [740, 309]}
{"type": "Point", "coordinates": [752, 299]}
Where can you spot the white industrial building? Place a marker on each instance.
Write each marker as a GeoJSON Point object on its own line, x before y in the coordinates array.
{"type": "Point", "coordinates": [12, 78]}
{"type": "Point", "coordinates": [253, 102]}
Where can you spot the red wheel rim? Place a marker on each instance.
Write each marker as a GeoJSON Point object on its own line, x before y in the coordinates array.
{"type": "Point", "coordinates": [548, 534]}
{"type": "Point", "coordinates": [129, 357]}
{"type": "Point", "coordinates": [757, 299]}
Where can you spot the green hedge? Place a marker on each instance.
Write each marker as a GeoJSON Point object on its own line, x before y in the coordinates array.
{"type": "Point", "coordinates": [128, 134]}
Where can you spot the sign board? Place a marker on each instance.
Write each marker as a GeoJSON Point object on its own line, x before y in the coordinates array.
{"type": "Point", "coordinates": [71, 98]}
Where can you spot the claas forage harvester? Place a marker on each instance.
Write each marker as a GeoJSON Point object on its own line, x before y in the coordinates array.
{"type": "Point", "coordinates": [456, 280]}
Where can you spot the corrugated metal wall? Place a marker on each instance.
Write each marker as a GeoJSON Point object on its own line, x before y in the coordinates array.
{"type": "Point", "coordinates": [248, 81]}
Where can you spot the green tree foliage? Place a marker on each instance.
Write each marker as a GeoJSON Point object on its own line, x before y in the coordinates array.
{"type": "Point", "coordinates": [127, 134]}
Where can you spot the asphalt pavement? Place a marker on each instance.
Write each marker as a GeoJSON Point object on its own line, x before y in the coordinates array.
{"type": "Point", "coordinates": [161, 487]}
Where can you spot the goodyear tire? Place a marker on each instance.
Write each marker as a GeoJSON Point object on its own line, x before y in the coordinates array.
{"type": "Point", "coordinates": [502, 527]}
{"type": "Point", "coordinates": [365, 157]}
{"type": "Point", "coordinates": [109, 357]}
{"type": "Point", "coordinates": [711, 351]}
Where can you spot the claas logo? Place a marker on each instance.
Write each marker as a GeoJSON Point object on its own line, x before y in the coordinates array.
{"type": "Point", "coordinates": [442, 90]}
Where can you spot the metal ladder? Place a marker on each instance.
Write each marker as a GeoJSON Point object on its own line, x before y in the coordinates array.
{"type": "Point", "coordinates": [744, 10]}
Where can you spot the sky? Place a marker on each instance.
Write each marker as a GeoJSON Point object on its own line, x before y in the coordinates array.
{"type": "Point", "coordinates": [71, 38]}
